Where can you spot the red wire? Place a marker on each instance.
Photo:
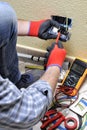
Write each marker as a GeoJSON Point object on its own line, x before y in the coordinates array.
{"type": "Point", "coordinates": [57, 99]}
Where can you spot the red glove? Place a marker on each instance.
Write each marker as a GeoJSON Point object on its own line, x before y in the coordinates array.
{"type": "Point", "coordinates": [40, 29]}
{"type": "Point", "coordinates": [56, 55]}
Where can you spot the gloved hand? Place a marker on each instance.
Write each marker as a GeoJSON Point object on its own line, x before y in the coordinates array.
{"type": "Point", "coordinates": [55, 56]}
{"type": "Point", "coordinates": [40, 29]}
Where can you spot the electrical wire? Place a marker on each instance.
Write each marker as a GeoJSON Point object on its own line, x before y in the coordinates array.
{"type": "Point", "coordinates": [62, 100]}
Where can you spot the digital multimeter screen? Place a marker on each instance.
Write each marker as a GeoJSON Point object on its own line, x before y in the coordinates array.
{"type": "Point", "coordinates": [78, 68]}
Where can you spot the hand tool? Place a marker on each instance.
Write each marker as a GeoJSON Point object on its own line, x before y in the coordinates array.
{"type": "Point", "coordinates": [34, 67]}
{"type": "Point", "coordinates": [53, 115]}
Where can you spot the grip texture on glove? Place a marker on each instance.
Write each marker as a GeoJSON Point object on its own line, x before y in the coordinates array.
{"type": "Point", "coordinates": [56, 56]}
{"type": "Point", "coordinates": [40, 29]}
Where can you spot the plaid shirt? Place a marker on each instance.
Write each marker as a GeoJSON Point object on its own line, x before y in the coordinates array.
{"type": "Point", "coordinates": [21, 109]}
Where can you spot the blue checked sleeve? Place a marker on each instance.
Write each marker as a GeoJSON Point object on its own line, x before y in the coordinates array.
{"type": "Point", "coordinates": [21, 109]}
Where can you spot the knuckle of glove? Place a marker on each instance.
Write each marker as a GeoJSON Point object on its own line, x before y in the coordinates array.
{"type": "Point", "coordinates": [55, 55]}
{"type": "Point", "coordinates": [55, 23]}
{"type": "Point", "coordinates": [62, 52]}
{"type": "Point", "coordinates": [43, 30]}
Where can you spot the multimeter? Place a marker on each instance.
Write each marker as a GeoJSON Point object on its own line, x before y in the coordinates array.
{"type": "Point", "coordinates": [74, 77]}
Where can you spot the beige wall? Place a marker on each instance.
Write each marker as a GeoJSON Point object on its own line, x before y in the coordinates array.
{"type": "Point", "coordinates": [40, 9]}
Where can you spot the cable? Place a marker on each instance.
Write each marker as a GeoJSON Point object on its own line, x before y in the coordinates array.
{"type": "Point", "coordinates": [62, 100]}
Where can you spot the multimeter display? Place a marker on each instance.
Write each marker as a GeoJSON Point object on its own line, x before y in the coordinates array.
{"type": "Point", "coordinates": [75, 77]}
{"type": "Point", "coordinates": [78, 69]}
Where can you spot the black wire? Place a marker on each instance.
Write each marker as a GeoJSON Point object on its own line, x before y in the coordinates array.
{"type": "Point", "coordinates": [80, 121]}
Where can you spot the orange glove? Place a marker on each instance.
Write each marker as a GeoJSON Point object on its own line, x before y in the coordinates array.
{"type": "Point", "coordinates": [40, 29]}
{"type": "Point", "coordinates": [56, 55]}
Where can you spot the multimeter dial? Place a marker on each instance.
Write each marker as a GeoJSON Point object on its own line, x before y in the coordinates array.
{"type": "Point", "coordinates": [71, 80]}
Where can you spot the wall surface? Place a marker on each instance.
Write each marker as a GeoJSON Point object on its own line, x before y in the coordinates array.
{"type": "Point", "coordinates": [42, 9]}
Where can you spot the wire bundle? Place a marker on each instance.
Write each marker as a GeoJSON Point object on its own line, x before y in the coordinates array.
{"type": "Point", "coordinates": [62, 100]}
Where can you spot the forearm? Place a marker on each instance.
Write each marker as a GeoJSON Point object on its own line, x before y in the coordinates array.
{"type": "Point", "coordinates": [51, 76]}
{"type": "Point", "coordinates": [37, 28]}
{"type": "Point", "coordinates": [23, 27]}
{"type": "Point", "coordinates": [21, 107]}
